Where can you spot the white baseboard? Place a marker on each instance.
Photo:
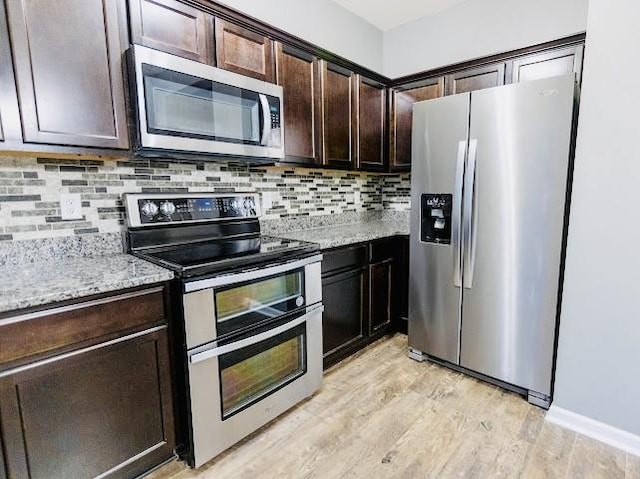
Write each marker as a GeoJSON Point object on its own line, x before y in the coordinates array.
{"type": "Point", "coordinates": [595, 429]}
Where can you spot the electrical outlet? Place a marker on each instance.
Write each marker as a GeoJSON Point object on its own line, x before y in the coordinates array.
{"type": "Point", "coordinates": [267, 200]}
{"type": "Point", "coordinates": [70, 206]}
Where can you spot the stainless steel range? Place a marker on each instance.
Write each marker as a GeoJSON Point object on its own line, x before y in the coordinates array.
{"type": "Point", "coordinates": [248, 312]}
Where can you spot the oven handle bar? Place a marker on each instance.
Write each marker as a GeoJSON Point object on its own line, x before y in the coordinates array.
{"type": "Point", "coordinates": [228, 279]}
{"type": "Point", "coordinates": [243, 343]}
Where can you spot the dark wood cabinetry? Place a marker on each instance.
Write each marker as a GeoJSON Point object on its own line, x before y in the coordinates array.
{"type": "Point", "coordinates": [475, 79]}
{"type": "Point", "coordinates": [547, 64]}
{"type": "Point", "coordinates": [10, 131]}
{"type": "Point", "coordinates": [361, 289]}
{"type": "Point", "coordinates": [173, 27]}
{"type": "Point", "coordinates": [298, 74]}
{"type": "Point", "coordinates": [338, 116]}
{"type": "Point", "coordinates": [371, 127]}
{"type": "Point", "coordinates": [68, 63]}
{"type": "Point", "coordinates": [243, 51]}
{"type": "Point", "coordinates": [402, 101]}
{"type": "Point", "coordinates": [87, 400]}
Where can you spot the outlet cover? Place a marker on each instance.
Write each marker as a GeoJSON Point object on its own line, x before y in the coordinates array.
{"type": "Point", "coordinates": [267, 200]}
{"type": "Point", "coordinates": [70, 206]}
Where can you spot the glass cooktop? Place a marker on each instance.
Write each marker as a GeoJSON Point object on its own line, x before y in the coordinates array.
{"type": "Point", "coordinates": [209, 256]}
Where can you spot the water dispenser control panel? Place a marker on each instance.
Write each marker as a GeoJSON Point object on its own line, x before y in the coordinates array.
{"type": "Point", "coordinates": [435, 218]}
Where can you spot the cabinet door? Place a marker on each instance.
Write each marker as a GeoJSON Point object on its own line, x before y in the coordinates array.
{"type": "Point", "coordinates": [402, 116]}
{"type": "Point", "coordinates": [371, 131]}
{"type": "Point", "coordinates": [547, 64]}
{"type": "Point", "coordinates": [10, 129]}
{"type": "Point", "coordinates": [343, 295]}
{"type": "Point", "coordinates": [380, 295]}
{"type": "Point", "coordinates": [100, 411]}
{"type": "Point", "coordinates": [243, 51]}
{"type": "Point", "coordinates": [68, 63]}
{"type": "Point", "coordinates": [338, 116]}
{"type": "Point", "coordinates": [172, 27]}
{"type": "Point", "coordinates": [475, 79]}
{"type": "Point", "coordinates": [298, 74]}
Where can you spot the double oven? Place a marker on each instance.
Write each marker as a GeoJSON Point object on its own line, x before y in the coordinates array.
{"type": "Point", "coordinates": [247, 312]}
{"type": "Point", "coordinates": [254, 349]}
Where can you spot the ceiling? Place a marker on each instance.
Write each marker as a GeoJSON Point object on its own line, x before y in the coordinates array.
{"type": "Point", "coordinates": [386, 14]}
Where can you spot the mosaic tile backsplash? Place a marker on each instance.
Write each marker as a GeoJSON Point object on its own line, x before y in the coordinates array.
{"type": "Point", "coordinates": [30, 191]}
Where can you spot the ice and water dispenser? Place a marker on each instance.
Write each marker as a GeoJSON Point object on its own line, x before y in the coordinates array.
{"type": "Point", "coordinates": [435, 217]}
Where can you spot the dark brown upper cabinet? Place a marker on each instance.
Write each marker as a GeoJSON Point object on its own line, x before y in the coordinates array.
{"type": "Point", "coordinates": [401, 117]}
{"type": "Point", "coordinates": [68, 64]}
{"type": "Point", "coordinates": [172, 27]}
{"type": "Point", "coordinates": [372, 117]}
{"type": "Point", "coordinates": [243, 51]}
{"type": "Point", "coordinates": [10, 130]}
{"type": "Point", "coordinates": [547, 64]}
{"type": "Point", "coordinates": [475, 79]}
{"type": "Point", "coordinates": [298, 74]}
{"type": "Point", "coordinates": [338, 116]}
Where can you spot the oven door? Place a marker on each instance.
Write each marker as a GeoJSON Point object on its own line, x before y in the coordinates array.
{"type": "Point", "coordinates": [226, 305]}
{"type": "Point", "coordinates": [188, 106]}
{"type": "Point", "coordinates": [238, 385]}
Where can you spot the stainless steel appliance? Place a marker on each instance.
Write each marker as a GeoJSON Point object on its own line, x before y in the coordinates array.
{"type": "Point", "coordinates": [489, 189]}
{"type": "Point", "coordinates": [247, 330]}
{"type": "Point", "coordinates": [186, 106]}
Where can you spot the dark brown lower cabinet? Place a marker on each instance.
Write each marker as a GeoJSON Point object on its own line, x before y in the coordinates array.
{"type": "Point", "coordinates": [104, 411]}
{"type": "Point", "coordinates": [362, 288]}
{"type": "Point", "coordinates": [344, 320]}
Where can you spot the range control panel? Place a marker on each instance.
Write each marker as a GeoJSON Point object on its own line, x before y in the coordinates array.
{"type": "Point", "coordinates": [156, 209]}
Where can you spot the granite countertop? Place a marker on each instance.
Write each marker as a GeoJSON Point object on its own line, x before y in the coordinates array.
{"type": "Point", "coordinates": [34, 284]}
{"type": "Point", "coordinates": [341, 235]}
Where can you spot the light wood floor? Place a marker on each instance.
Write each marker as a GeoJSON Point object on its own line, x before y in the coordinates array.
{"type": "Point", "coordinates": [382, 415]}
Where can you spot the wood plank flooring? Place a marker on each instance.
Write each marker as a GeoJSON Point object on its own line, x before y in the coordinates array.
{"type": "Point", "coordinates": [383, 415]}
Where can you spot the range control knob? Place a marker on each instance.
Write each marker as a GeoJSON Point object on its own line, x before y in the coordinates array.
{"type": "Point", "coordinates": [149, 209]}
{"type": "Point", "coordinates": [168, 208]}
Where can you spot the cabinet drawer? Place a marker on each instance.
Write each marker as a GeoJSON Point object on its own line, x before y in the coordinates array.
{"type": "Point", "coordinates": [382, 250]}
{"type": "Point", "coordinates": [343, 258]}
{"type": "Point", "coordinates": [45, 331]}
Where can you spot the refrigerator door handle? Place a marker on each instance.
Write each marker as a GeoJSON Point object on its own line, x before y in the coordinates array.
{"type": "Point", "coordinates": [469, 228]}
{"type": "Point", "coordinates": [456, 214]}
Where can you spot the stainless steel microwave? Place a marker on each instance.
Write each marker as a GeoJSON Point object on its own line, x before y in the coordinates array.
{"type": "Point", "coordinates": [190, 107]}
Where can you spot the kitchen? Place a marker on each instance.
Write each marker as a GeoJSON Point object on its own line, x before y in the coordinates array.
{"type": "Point", "coordinates": [225, 249]}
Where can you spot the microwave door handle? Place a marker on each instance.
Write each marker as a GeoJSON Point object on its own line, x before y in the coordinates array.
{"type": "Point", "coordinates": [266, 120]}
{"type": "Point", "coordinates": [243, 343]}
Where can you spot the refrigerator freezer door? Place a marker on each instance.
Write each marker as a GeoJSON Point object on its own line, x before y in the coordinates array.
{"type": "Point", "coordinates": [440, 136]}
{"type": "Point", "coordinates": [523, 135]}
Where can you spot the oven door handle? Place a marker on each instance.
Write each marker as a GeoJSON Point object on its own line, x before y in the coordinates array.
{"type": "Point", "coordinates": [252, 275]}
{"type": "Point", "coordinates": [243, 343]}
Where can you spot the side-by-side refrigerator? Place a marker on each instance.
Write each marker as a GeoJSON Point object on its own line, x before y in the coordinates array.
{"type": "Point", "coordinates": [489, 184]}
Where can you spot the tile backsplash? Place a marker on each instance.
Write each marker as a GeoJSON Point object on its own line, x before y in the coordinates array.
{"type": "Point", "coordinates": [30, 191]}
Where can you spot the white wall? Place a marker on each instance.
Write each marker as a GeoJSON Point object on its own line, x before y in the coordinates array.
{"type": "Point", "coordinates": [599, 346]}
{"type": "Point", "coordinates": [323, 23]}
{"type": "Point", "coordinates": [477, 28]}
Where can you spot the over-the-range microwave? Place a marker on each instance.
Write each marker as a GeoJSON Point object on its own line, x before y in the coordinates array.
{"type": "Point", "coordinates": [183, 106]}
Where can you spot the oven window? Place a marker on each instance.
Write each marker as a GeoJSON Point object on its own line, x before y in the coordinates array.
{"type": "Point", "coordinates": [245, 305]}
{"type": "Point", "coordinates": [183, 105]}
{"type": "Point", "coordinates": [251, 373]}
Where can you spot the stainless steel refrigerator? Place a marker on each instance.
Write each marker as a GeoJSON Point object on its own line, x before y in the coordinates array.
{"type": "Point", "coordinates": [489, 196]}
